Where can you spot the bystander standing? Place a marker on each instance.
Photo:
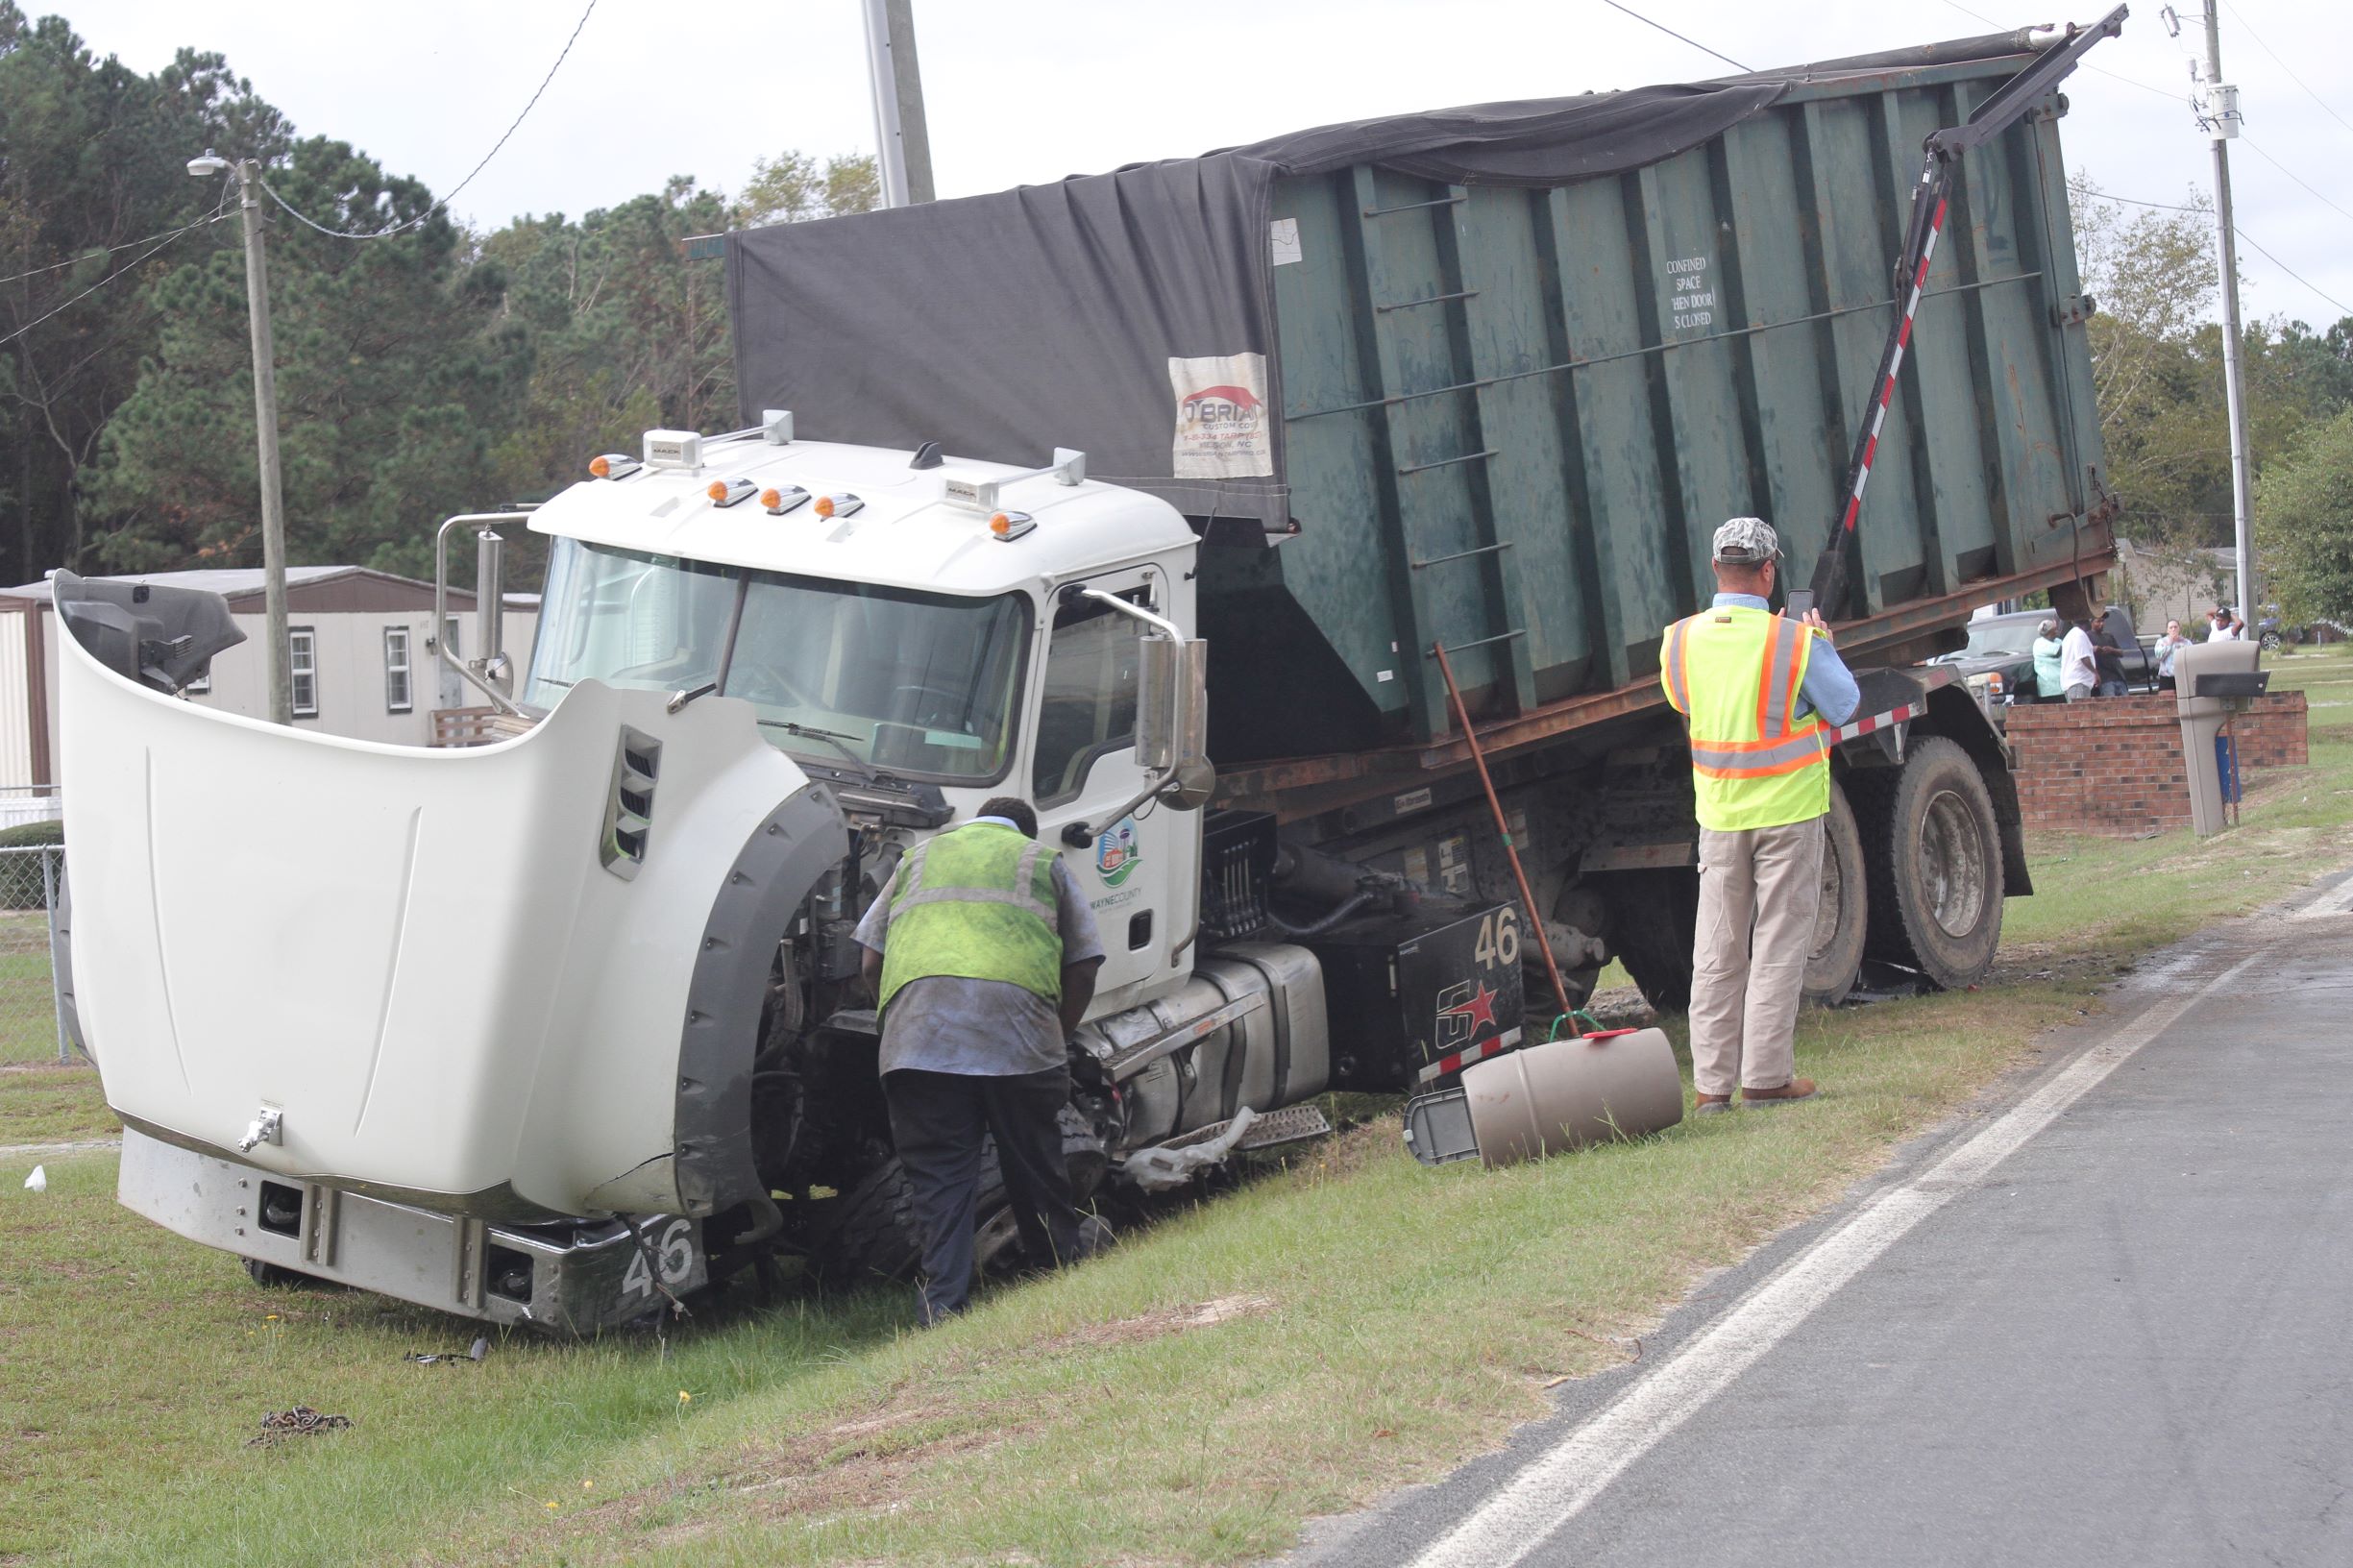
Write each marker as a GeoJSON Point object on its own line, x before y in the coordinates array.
{"type": "Point", "coordinates": [2169, 645]}
{"type": "Point", "coordinates": [2078, 662]}
{"type": "Point", "coordinates": [2048, 686]}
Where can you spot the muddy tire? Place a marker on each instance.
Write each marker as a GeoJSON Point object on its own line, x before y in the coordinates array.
{"type": "Point", "coordinates": [1932, 851]}
{"type": "Point", "coordinates": [1841, 921]}
{"type": "Point", "coordinates": [1653, 916]}
{"type": "Point", "coordinates": [271, 1277]}
{"type": "Point", "coordinates": [872, 1232]}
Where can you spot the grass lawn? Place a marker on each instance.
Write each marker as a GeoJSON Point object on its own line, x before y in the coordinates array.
{"type": "Point", "coordinates": [1345, 1322]}
{"type": "Point", "coordinates": [28, 1014]}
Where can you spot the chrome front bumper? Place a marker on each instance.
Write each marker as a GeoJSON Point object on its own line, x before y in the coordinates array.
{"type": "Point", "coordinates": [571, 1276]}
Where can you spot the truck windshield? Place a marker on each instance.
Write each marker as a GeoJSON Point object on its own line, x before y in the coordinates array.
{"type": "Point", "coordinates": [918, 684]}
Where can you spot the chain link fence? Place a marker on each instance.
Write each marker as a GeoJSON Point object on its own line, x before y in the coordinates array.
{"type": "Point", "coordinates": [31, 879]}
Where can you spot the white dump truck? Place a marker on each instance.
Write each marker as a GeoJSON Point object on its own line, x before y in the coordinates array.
{"type": "Point", "coordinates": [1409, 420]}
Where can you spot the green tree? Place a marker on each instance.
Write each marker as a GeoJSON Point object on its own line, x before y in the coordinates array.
{"type": "Point", "coordinates": [2158, 369]}
{"type": "Point", "coordinates": [395, 378]}
{"type": "Point", "coordinates": [92, 157]}
{"type": "Point", "coordinates": [794, 186]}
{"type": "Point", "coordinates": [2304, 524]}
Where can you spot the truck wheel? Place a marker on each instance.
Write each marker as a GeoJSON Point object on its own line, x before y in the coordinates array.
{"type": "Point", "coordinates": [873, 1231]}
{"type": "Point", "coordinates": [1653, 918]}
{"type": "Point", "coordinates": [1932, 853]}
{"type": "Point", "coordinates": [271, 1277]}
{"type": "Point", "coordinates": [1836, 959]}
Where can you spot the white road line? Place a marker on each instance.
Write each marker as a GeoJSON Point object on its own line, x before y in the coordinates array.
{"type": "Point", "coordinates": [1559, 1485]}
{"type": "Point", "coordinates": [2337, 901]}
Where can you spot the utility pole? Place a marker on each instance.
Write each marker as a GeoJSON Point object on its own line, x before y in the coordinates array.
{"type": "Point", "coordinates": [265, 432]}
{"type": "Point", "coordinates": [902, 141]}
{"type": "Point", "coordinates": [2221, 121]}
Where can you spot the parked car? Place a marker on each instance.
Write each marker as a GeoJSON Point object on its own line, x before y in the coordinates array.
{"type": "Point", "coordinates": [1998, 662]}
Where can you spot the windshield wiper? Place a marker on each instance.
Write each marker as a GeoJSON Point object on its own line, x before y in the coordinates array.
{"type": "Point", "coordinates": [833, 738]}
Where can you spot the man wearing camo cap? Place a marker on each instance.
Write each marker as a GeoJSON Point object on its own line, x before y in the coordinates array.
{"type": "Point", "coordinates": [1759, 694]}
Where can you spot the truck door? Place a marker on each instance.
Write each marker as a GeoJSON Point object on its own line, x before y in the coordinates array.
{"type": "Point", "coordinates": [1082, 769]}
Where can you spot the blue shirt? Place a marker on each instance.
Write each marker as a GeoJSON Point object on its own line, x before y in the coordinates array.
{"type": "Point", "coordinates": [1828, 689]}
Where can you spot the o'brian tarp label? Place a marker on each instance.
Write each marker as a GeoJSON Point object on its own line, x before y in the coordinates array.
{"type": "Point", "coordinates": [1224, 429]}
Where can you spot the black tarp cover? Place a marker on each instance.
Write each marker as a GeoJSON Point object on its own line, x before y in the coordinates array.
{"type": "Point", "coordinates": [1126, 315]}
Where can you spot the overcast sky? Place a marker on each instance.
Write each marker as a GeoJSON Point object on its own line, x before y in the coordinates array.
{"type": "Point", "coordinates": [1028, 90]}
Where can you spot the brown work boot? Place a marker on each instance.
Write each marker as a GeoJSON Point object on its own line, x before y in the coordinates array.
{"type": "Point", "coordinates": [1796, 1088]}
{"type": "Point", "coordinates": [1710, 1103]}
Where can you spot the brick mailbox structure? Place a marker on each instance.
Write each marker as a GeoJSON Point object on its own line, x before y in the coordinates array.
{"type": "Point", "coordinates": [2114, 765]}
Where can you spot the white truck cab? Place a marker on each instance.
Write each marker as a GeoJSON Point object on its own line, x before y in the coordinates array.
{"type": "Point", "coordinates": [540, 1030]}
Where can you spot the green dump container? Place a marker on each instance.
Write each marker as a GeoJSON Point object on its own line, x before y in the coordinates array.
{"type": "Point", "coordinates": [1504, 402]}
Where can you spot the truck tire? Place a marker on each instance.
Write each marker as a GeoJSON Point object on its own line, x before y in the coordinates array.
{"type": "Point", "coordinates": [1932, 854]}
{"type": "Point", "coordinates": [1841, 921]}
{"type": "Point", "coordinates": [273, 1277]}
{"type": "Point", "coordinates": [873, 1232]}
{"type": "Point", "coordinates": [1653, 918]}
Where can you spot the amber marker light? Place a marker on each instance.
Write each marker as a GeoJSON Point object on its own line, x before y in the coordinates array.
{"type": "Point", "coordinates": [718, 491]}
{"type": "Point", "coordinates": [825, 506]}
{"type": "Point", "coordinates": [599, 468]}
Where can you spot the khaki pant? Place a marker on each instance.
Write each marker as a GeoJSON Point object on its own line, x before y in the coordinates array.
{"type": "Point", "coordinates": [1759, 888]}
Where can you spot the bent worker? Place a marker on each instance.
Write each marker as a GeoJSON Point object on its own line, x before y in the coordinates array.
{"type": "Point", "coordinates": [1760, 693]}
{"type": "Point", "coordinates": [985, 955]}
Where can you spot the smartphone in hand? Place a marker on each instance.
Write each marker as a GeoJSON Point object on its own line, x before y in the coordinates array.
{"type": "Point", "coordinates": [1800, 604]}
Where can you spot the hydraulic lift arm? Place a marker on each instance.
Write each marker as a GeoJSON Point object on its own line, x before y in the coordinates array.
{"type": "Point", "coordinates": [1941, 152]}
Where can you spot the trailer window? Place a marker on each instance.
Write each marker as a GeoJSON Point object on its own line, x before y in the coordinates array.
{"type": "Point", "coordinates": [1089, 708]}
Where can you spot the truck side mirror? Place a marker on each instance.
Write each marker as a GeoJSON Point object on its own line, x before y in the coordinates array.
{"type": "Point", "coordinates": [1172, 705]}
{"type": "Point", "coordinates": [490, 606]}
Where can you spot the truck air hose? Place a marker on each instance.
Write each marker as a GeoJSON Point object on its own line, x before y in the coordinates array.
{"type": "Point", "coordinates": [1318, 927]}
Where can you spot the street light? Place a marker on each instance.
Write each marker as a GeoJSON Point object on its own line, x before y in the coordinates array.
{"type": "Point", "coordinates": [265, 427]}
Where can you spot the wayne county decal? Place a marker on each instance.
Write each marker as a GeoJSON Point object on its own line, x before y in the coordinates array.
{"type": "Point", "coordinates": [1116, 856]}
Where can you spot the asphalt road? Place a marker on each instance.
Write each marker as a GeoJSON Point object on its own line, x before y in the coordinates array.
{"type": "Point", "coordinates": [2109, 1321]}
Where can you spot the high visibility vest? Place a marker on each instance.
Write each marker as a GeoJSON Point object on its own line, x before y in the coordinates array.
{"type": "Point", "coordinates": [977, 903]}
{"type": "Point", "coordinates": [1735, 673]}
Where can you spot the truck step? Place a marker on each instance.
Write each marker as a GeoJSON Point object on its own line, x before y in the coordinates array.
{"type": "Point", "coordinates": [1289, 1125]}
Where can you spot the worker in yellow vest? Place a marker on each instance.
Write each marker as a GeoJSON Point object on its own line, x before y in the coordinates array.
{"type": "Point", "coordinates": [983, 955]}
{"type": "Point", "coordinates": [1759, 694]}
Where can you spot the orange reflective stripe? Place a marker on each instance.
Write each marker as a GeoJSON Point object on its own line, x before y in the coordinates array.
{"type": "Point", "coordinates": [1757, 759]}
{"type": "Point", "coordinates": [1799, 656]}
{"type": "Point", "coordinates": [1673, 675]}
{"type": "Point", "coordinates": [1776, 696]}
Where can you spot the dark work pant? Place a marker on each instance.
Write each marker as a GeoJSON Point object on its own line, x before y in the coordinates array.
{"type": "Point", "coordinates": [936, 1120]}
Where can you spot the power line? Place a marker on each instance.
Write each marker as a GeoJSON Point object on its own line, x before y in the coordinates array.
{"type": "Point", "coordinates": [102, 283]}
{"type": "Point", "coordinates": [2290, 173]}
{"type": "Point", "coordinates": [1677, 37]}
{"type": "Point", "coordinates": [2290, 69]}
{"type": "Point", "coordinates": [77, 261]}
{"type": "Point", "coordinates": [400, 227]}
{"type": "Point", "coordinates": [2293, 273]}
{"type": "Point", "coordinates": [1982, 17]}
{"type": "Point", "coordinates": [2202, 212]}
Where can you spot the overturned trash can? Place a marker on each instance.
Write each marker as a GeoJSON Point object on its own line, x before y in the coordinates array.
{"type": "Point", "coordinates": [1562, 1094]}
{"type": "Point", "coordinates": [2212, 683]}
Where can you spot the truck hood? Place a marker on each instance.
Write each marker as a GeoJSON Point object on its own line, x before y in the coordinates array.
{"type": "Point", "coordinates": [516, 981]}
